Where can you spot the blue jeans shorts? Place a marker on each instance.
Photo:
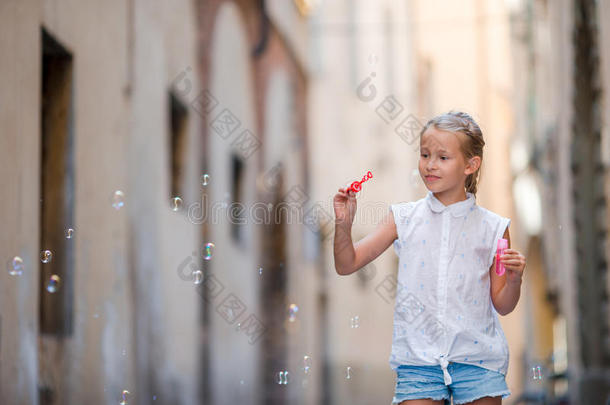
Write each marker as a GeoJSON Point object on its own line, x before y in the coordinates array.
{"type": "Point", "coordinates": [468, 383]}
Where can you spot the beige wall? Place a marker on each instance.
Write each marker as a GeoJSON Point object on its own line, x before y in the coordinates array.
{"type": "Point", "coordinates": [232, 358]}
{"type": "Point", "coordinates": [20, 118]}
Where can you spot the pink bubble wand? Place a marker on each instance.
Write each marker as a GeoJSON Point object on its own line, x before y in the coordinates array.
{"type": "Point", "coordinates": [357, 185]}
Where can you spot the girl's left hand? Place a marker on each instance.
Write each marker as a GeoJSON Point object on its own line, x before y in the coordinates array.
{"type": "Point", "coordinates": [514, 263]}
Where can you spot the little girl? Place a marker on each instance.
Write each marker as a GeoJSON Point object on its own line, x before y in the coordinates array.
{"type": "Point", "coordinates": [447, 339]}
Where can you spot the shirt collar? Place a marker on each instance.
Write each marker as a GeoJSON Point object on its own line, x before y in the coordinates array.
{"type": "Point", "coordinates": [458, 209]}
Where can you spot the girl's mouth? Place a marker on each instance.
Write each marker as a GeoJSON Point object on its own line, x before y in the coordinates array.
{"type": "Point", "coordinates": [432, 178]}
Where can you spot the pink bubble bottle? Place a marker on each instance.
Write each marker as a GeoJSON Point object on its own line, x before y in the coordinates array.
{"type": "Point", "coordinates": [502, 245]}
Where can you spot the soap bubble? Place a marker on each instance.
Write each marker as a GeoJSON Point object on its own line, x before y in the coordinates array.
{"type": "Point", "coordinates": [124, 401]}
{"type": "Point", "coordinates": [226, 200]}
{"type": "Point", "coordinates": [208, 250]}
{"type": "Point", "coordinates": [355, 322]}
{"type": "Point", "coordinates": [15, 266]}
{"type": "Point", "coordinates": [536, 373]}
{"type": "Point", "coordinates": [260, 270]}
{"type": "Point", "coordinates": [46, 256]}
{"type": "Point", "coordinates": [415, 178]}
{"type": "Point", "coordinates": [348, 377]}
{"type": "Point", "coordinates": [118, 200]}
{"type": "Point", "coordinates": [205, 179]}
{"type": "Point", "coordinates": [69, 233]}
{"type": "Point", "coordinates": [282, 378]}
{"type": "Point", "coordinates": [292, 312]}
{"type": "Point", "coordinates": [197, 276]}
{"type": "Point", "coordinates": [306, 364]}
{"type": "Point", "coordinates": [176, 204]}
{"type": "Point", "coordinates": [53, 284]}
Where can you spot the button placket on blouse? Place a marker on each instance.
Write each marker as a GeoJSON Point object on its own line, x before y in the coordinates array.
{"type": "Point", "coordinates": [443, 263]}
{"type": "Point", "coordinates": [442, 290]}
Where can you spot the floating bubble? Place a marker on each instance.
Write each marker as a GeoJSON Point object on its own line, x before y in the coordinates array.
{"type": "Point", "coordinates": [46, 256]}
{"type": "Point", "coordinates": [238, 326]}
{"type": "Point", "coordinates": [536, 373]}
{"type": "Point", "coordinates": [355, 322]}
{"type": "Point", "coordinates": [197, 276]}
{"type": "Point", "coordinates": [118, 200]}
{"type": "Point", "coordinates": [205, 180]}
{"type": "Point", "coordinates": [207, 251]}
{"type": "Point", "coordinates": [415, 178]}
{"type": "Point", "coordinates": [124, 401]}
{"type": "Point", "coordinates": [176, 204]}
{"type": "Point", "coordinates": [306, 364]}
{"type": "Point", "coordinates": [282, 378]}
{"type": "Point", "coordinates": [69, 233]}
{"type": "Point", "coordinates": [348, 377]}
{"type": "Point", "coordinates": [372, 58]}
{"type": "Point", "coordinates": [292, 312]}
{"type": "Point", "coordinates": [260, 270]}
{"type": "Point", "coordinates": [53, 284]}
{"type": "Point", "coordinates": [226, 200]}
{"type": "Point", "coordinates": [15, 266]}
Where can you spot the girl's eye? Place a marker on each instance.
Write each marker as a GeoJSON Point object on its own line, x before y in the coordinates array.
{"type": "Point", "coordinates": [426, 155]}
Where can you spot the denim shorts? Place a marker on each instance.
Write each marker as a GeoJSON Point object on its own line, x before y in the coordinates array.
{"type": "Point", "coordinates": [469, 383]}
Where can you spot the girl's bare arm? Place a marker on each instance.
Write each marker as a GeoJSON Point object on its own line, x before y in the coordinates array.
{"type": "Point", "coordinates": [350, 257]}
{"type": "Point", "coordinates": [506, 289]}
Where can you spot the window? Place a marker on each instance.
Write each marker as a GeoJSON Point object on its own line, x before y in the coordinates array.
{"type": "Point", "coordinates": [56, 186]}
{"type": "Point", "coordinates": [237, 208]}
{"type": "Point", "coordinates": [178, 130]}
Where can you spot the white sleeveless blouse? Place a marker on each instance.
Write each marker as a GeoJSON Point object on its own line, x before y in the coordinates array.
{"type": "Point", "coordinates": [443, 310]}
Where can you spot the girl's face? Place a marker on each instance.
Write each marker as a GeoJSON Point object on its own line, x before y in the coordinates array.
{"type": "Point", "coordinates": [442, 165]}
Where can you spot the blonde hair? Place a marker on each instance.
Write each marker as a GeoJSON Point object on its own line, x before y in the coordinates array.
{"type": "Point", "coordinates": [458, 121]}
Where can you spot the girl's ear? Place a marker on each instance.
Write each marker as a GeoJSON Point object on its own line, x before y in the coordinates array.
{"type": "Point", "coordinates": [473, 164]}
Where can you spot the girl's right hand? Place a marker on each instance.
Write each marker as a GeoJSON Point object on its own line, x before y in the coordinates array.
{"type": "Point", "coordinates": [344, 204]}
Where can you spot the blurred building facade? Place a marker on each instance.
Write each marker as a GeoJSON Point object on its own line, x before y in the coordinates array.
{"type": "Point", "coordinates": [146, 98]}
{"type": "Point", "coordinates": [560, 160]}
{"type": "Point", "coordinates": [360, 94]}
{"type": "Point", "coordinates": [92, 116]}
{"type": "Point", "coordinates": [254, 113]}
{"type": "Point", "coordinates": [255, 131]}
